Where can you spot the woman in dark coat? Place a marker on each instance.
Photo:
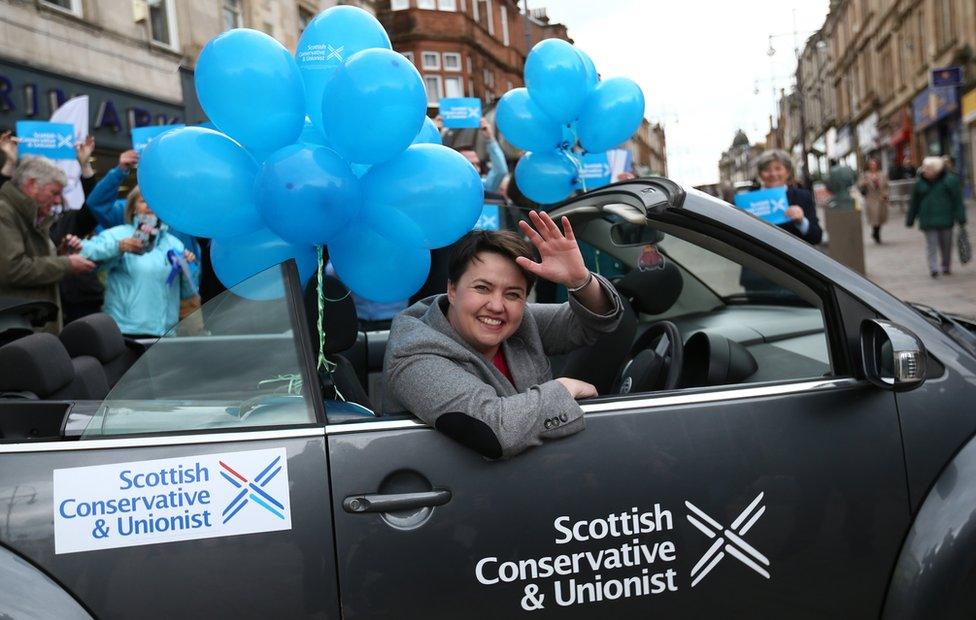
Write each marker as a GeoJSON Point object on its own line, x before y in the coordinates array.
{"type": "Point", "coordinates": [937, 204]}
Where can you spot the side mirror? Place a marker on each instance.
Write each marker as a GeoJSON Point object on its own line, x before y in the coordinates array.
{"type": "Point", "coordinates": [894, 358]}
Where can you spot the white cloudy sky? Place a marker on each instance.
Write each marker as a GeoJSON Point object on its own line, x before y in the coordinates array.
{"type": "Point", "coordinates": [698, 63]}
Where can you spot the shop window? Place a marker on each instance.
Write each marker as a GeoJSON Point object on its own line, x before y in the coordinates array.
{"type": "Point", "coordinates": [430, 60]}
{"type": "Point", "coordinates": [162, 25]}
{"type": "Point", "coordinates": [232, 14]}
{"type": "Point", "coordinates": [433, 84]}
{"type": "Point", "coordinates": [452, 61]}
{"type": "Point", "coordinates": [453, 87]}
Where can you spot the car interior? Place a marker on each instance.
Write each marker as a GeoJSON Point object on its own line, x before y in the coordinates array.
{"type": "Point", "coordinates": [699, 313]}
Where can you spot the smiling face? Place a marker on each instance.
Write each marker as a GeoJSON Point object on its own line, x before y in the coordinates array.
{"type": "Point", "coordinates": [487, 302]}
{"type": "Point", "coordinates": [774, 174]}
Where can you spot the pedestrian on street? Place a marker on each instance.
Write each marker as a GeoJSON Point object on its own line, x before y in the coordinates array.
{"type": "Point", "coordinates": [874, 186]}
{"type": "Point", "coordinates": [937, 204]}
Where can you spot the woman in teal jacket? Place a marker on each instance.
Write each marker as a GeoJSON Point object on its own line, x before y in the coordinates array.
{"type": "Point", "coordinates": [145, 284]}
{"type": "Point", "coordinates": [937, 204]}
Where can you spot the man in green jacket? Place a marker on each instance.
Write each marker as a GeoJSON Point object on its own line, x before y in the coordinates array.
{"type": "Point", "coordinates": [937, 204]}
{"type": "Point", "coordinates": [30, 267]}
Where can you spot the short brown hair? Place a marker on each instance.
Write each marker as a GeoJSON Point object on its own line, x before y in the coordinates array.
{"type": "Point", "coordinates": [502, 242]}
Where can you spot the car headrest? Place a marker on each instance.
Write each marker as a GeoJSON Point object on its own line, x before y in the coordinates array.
{"type": "Point", "coordinates": [97, 335]}
{"type": "Point", "coordinates": [339, 323]}
{"type": "Point", "coordinates": [652, 291]}
{"type": "Point", "coordinates": [37, 363]}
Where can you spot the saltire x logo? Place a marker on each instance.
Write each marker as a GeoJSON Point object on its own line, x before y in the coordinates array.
{"type": "Point", "coordinates": [335, 52]}
{"type": "Point", "coordinates": [728, 540]}
{"type": "Point", "coordinates": [64, 140]}
{"type": "Point", "coordinates": [257, 494]}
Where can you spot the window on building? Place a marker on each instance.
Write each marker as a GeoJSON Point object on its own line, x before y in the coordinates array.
{"type": "Point", "coordinates": [508, 85]}
{"type": "Point", "coordinates": [72, 6]}
{"type": "Point", "coordinates": [433, 84]}
{"type": "Point", "coordinates": [476, 10]}
{"type": "Point", "coordinates": [447, 5]}
{"type": "Point", "coordinates": [452, 61]}
{"type": "Point", "coordinates": [399, 5]}
{"type": "Point", "coordinates": [504, 20]}
{"type": "Point", "coordinates": [470, 88]}
{"type": "Point", "coordinates": [920, 38]}
{"type": "Point", "coordinates": [305, 17]}
{"type": "Point", "coordinates": [489, 77]}
{"type": "Point", "coordinates": [161, 23]}
{"type": "Point", "coordinates": [427, 4]}
{"type": "Point", "coordinates": [232, 14]}
{"type": "Point", "coordinates": [430, 60]}
{"type": "Point", "coordinates": [945, 28]}
{"type": "Point", "coordinates": [453, 87]}
{"type": "Point", "coordinates": [408, 56]}
{"type": "Point", "coordinates": [491, 21]}
{"type": "Point", "coordinates": [464, 6]}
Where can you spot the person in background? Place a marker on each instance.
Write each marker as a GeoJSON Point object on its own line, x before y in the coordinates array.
{"type": "Point", "coordinates": [146, 278]}
{"type": "Point", "coordinates": [491, 176]}
{"type": "Point", "coordinates": [8, 151]}
{"type": "Point", "coordinates": [30, 265]}
{"type": "Point", "coordinates": [874, 186]}
{"type": "Point", "coordinates": [776, 170]}
{"type": "Point", "coordinates": [936, 203]}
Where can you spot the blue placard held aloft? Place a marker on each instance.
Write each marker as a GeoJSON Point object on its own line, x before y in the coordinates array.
{"type": "Point", "coordinates": [142, 135]}
{"type": "Point", "coordinates": [461, 112]}
{"type": "Point", "coordinates": [769, 204]}
{"type": "Point", "coordinates": [51, 140]}
{"type": "Point", "coordinates": [596, 170]}
{"type": "Point", "coordinates": [490, 218]}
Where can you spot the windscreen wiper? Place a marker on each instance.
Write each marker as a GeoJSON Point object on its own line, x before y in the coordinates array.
{"type": "Point", "coordinates": [951, 326]}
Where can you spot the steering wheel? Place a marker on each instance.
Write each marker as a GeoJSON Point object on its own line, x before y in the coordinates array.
{"type": "Point", "coordinates": [654, 362]}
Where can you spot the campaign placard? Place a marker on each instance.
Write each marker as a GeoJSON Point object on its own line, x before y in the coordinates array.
{"type": "Point", "coordinates": [51, 140]}
{"type": "Point", "coordinates": [461, 112]}
{"type": "Point", "coordinates": [170, 500]}
{"type": "Point", "coordinates": [490, 218]}
{"type": "Point", "coordinates": [768, 204]}
{"type": "Point", "coordinates": [596, 170]}
{"type": "Point", "coordinates": [142, 135]}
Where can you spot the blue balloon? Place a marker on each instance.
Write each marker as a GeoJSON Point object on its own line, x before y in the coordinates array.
{"type": "Point", "coordinates": [376, 267]}
{"type": "Point", "coordinates": [612, 113]}
{"type": "Point", "coordinates": [306, 194]}
{"type": "Point", "coordinates": [329, 39]}
{"type": "Point", "coordinates": [546, 177]}
{"type": "Point", "coordinates": [555, 76]}
{"type": "Point", "coordinates": [524, 124]}
{"type": "Point", "coordinates": [250, 87]}
{"type": "Point", "coordinates": [200, 182]}
{"type": "Point", "coordinates": [313, 135]}
{"type": "Point", "coordinates": [374, 106]}
{"type": "Point", "coordinates": [359, 169]}
{"type": "Point", "coordinates": [236, 259]}
{"type": "Point", "coordinates": [592, 76]}
{"type": "Point", "coordinates": [429, 192]}
{"type": "Point", "coordinates": [428, 134]}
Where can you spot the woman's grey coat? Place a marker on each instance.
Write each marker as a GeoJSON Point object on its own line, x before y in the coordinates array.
{"type": "Point", "coordinates": [432, 372]}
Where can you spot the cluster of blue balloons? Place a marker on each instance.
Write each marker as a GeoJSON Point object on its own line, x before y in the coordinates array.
{"type": "Point", "coordinates": [331, 147]}
{"type": "Point", "coordinates": [564, 109]}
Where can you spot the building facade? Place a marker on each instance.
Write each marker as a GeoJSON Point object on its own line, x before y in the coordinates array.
{"type": "Point", "coordinates": [873, 85]}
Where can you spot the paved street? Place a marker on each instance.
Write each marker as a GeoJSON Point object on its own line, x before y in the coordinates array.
{"type": "Point", "coordinates": [898, 265]}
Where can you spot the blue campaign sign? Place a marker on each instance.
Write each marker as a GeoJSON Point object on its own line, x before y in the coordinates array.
{"type": "Point", "coordinates": [461, 112]}
{"type": "Point", "coordinates": [596, 170]}
{"type": "Point", "coordinates": [490, 218]}
{"type": "Point", "coordinates": [52, 140]}
{"type": "Point", "coordinates": [769, 205]}
{"type": "Point", "coordinates": [142, 135]}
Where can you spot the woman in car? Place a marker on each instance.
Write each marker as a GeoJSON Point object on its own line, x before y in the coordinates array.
{"type": "Point", "coordinates": [146, 279]}
{"type": "Point", "coordinates": [473, 363]}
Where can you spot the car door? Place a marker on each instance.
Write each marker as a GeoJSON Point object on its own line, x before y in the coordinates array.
{"type": "Point", "coordinates": [767, 500]}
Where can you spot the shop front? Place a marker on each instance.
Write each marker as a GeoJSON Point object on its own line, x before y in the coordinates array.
{"type": "Point", "coordinates": [27, 93]}
{"type": "Point", "coordinates": [969, 121]}
{"type": "Point", "coordinates": [938, 123]}
{"type": "Point", "coordinates": [869, 141]}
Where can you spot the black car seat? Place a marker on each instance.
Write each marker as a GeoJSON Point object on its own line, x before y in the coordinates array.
{"type": "Point", "coordinates": [340, 326]}
{"type": "Point", "coordinates": [38, 366]}
{"type": "Point", "coordinates": [97, 335]}
{"type": "Point", "coordinates": [649, 292]}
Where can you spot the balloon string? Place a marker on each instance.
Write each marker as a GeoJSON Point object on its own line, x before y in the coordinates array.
{"type": "Point", "coordinates": [323, 362]}
{"type": "Point", "coordinates": [577, 159]}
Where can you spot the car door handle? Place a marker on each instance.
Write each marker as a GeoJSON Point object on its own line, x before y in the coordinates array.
{"type": "Point", "coordinates": [393, 502]}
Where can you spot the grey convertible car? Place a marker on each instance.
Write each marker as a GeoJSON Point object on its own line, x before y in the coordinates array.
{"type": "Point", "coordinates": [776, 437]}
